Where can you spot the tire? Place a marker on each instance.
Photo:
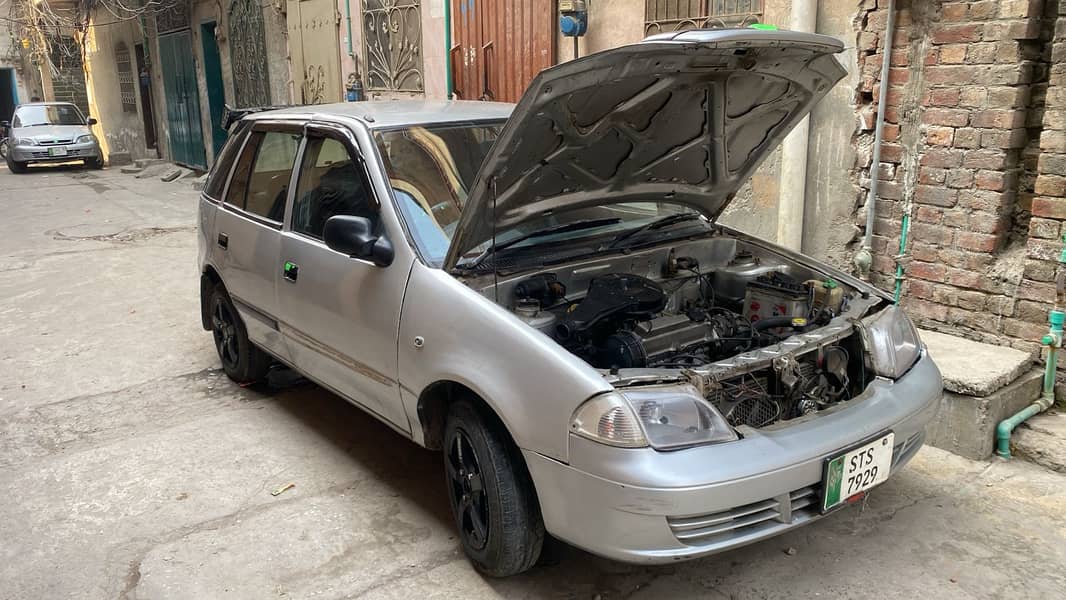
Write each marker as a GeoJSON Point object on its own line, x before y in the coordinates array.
{"type": "Point", "coordinates": [95, 163]}
{"type": "Point", "coordinates": [15, 166]}
{"type": "Point", "coordinates": [241, 360]}
{"type": "Point", "coordinates": [491, 494]}
{"type": "Point", "coordinates": [3, 148]}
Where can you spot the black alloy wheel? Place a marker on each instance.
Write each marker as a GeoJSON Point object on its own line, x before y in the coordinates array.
{"type": "Point", "coordinates": [468, 491]}
{"type": "Point", "coordinates": [224, 330]}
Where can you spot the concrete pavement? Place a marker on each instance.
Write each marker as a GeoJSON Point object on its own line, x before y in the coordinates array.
{"type": "Point", "coordinates": [132, 468]}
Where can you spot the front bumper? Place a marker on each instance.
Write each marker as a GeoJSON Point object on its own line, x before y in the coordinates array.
{"type": "Point", "coordinates": [638, 505]}
{"type": "Point", "coordinates": [39, 154]}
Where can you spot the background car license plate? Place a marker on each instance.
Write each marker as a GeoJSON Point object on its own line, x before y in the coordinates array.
{"type": "Point", "coordinates": [57, 152]}
{"type": "Point", "coordinates": [857, 470]}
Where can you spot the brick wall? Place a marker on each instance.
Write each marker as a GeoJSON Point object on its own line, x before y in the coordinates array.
{"type": "Point", "coordinates": [962, 148]}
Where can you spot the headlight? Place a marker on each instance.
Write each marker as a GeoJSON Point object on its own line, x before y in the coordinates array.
{"type": "Point", "coordinates": [25, 142]}
{"type": "Point", "coordinates": [84, 139]}
{"type": "Point", "coordinates": [666, 419]}
{"type": "Point", "coordinates": [892, 342]}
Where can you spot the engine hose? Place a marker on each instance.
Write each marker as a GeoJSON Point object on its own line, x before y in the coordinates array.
{"type": "Point", "coordinates": [775, 322]}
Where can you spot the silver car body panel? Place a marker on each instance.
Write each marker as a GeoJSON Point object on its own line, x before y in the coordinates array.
{"type": "Point", "coordinates": [685, 117]}
{"type": "Point", "coordinates": [383, 337]}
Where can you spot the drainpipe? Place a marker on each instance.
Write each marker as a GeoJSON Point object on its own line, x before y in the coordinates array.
{"type": "Point", "coordinates": [1053, 341]}
{"type": "Point", "coordinates": [448, 49]}
{"type": "Point", "coordinates": [348, 24]}
{"type": "Point", "coordinates": [804, 17]}
{"type": "Point", "coordinates": [864, 258]}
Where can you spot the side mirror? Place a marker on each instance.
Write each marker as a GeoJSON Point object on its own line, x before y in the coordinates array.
{"type": "Point", "coordinates": [91, 121]}
{"type": "Point", "coordinates": [5, 124]}
{"type": "Point", "coordinates": [353, 236]}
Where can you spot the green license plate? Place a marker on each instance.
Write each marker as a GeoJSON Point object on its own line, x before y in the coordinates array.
{"type": "Point", "coordinates": [856, 470]}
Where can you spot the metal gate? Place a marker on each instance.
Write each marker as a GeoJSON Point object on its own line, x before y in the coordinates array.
{"type": "Point", "coordinates": [251, 84]}
{"type": "Point", "coordinates": [500, 46]}
{"type": "Point", "coordinates": [182, 99]}
{"type": "Point", "coordinates": [314, 50]}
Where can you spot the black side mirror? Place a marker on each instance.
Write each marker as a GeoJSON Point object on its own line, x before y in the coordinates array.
{"type": "Point", "coordinates": [353, 236]}
{"type": "Point", "coordinates": [91, 121]}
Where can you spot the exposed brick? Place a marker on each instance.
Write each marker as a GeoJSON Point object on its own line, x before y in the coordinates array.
{"type": "Point", "coordinates": [932, 234]}
{"type": "Point", "coordinates": [890, 132]}
{"type": "Point", "coordinates": [990, 180]}
{"type": "Point", "coordinates": [939, 136]}
{"type": "Point", "coordinates": [1004, 138]}
{"type": "Point", "coordinates": [1043, 249]}
{"type": "Point", "coordinates": [942, 97]}
{"type": "Point", "coordinates": [973, 96]}
{"type": "Point", "coordinates": [1032, 311]}
{"type": "Point", "coordinates": [985, 159]}
{"type": "Point", "coordinates": [922, 309]}
{"type": "Point", "coordinates": [929, 214]}
{"type": "Point", "coordinates": [971, 300]}
{"type": "Point", "coordinates": [986, 9]}
{"type": "Point", "coordinates": [935, 195]}
{"type": "Point", "coordinates": [951, 75]}
{"type": "Point", "coordinates": [955, 12]}
{"type": "Point", "coordinates": [1044, 228]}
{"type": "Point", "coordinates": [932, 175]}
{"type": "Point", "coordinates": [954, 54]}
{"type": "Point", "coordinates": [1053, 164]}
{"type": "Point", "coordinates": [1038, 291]}
{"type": "Point", "coordinates": [983, 53]}
{"type": "Point", "coordinates": [1052, 208]}
{"type": "Point", "coordinates": [927, 271]}
{"type": "Point", "coordinates": [919, 289]}
{"type": "Point", "coordinates": [923, 252]}
{"type": "Point", "coordinates": [983, 200]}
{"type": "Point", "coordinates": [1039, 270]}
{"type": "Point", "coordinates": [892, 153]}
{"type": "Point", "coordinates": [959, 178]}
{"type": "Point", "coordinates": [984, 222]}
{"type": "Point", "coordinates": [1023, 329]}
{"type": "Point", "coordinates": [942, 157]}
{"type": "Point", "coordinates": [978, 242]}
{"type": "Point", "coordinates": [950, 117]}
{"type": "Point", "coordinates": [956, 34]}
{"type": "Point", "coordinates": [967, 138]}
{"type": "Point", "coordinates": [1050, 185]}
{"type": "Point", "coordinates": [1002, 119]}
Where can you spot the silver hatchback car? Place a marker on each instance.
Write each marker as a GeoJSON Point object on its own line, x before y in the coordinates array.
{"type": "Point", "coordinates": [51, 132]}
{"type": "Point", "coordinates": [541, 291]}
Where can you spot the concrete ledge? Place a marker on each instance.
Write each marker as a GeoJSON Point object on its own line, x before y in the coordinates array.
{"type": "Point", "coordinates": [966, 425]}
{"type": "Point", "coordinates": [973, 368]}
{"type": "Point", "coordinates": [1042, 440]}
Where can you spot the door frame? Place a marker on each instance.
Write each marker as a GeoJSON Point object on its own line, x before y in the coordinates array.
{"type": "Point", "coordinates": [216, 96]}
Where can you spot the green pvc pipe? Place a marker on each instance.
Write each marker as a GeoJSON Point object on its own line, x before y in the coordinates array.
{"type": "Point", "coordinates": [348, 23]}
{"type": "Point", "coordinates": [905, 226]}
{"type": "Point", "coordinates": [448, 48]}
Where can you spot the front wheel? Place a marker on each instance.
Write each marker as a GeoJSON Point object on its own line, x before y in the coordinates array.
{"type": "Point", "coordinates": [491, 494]}
{"type": "Point", "coordinates": [241, 360]}
{"type": "Point", "coordinates": [95, 163]}
{"type": "Point", "coordinates": [3, 148]}
{"type": "Point", "coordinates": [15, 166]}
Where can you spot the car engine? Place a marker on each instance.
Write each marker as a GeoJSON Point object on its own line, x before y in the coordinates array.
{"type": "Point", "coordinates": [689, 317]}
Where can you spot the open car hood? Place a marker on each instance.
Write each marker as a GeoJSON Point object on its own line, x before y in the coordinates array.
{"type": "Point", "coordinates": [681, 117]}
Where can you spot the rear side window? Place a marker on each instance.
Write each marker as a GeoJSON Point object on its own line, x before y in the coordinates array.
{"type": "Point", "coordinates": [216, 181]}
{"type": "Point", "coordinates": [238, 186]}
{"type": "Point", "coordinates": [331, 183]}
{"type": "Point", "coordinates": [268, 184]}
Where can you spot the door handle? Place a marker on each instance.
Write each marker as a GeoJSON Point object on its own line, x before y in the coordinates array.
{"type": "Point", "coordinates": [223, 241]}
{"type": "Point", "coordinates": [291, 271]}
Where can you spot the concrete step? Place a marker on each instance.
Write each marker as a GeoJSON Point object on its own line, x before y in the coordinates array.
{"type": "Point", "coordinates": [119, 158]}
{"type": "Point", "coordinates": [130, 169]}
{"type": "Point", "coordinates": [1042, 440]}
{"type": "Point", "coordinates": [145, 162]}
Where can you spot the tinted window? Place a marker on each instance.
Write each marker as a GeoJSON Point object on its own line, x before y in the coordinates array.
{"type": "Point", "coordinates": [217, 180]}
{"type": "Point", "coordinates": [331, 183]}
{"type": "Point", "coordinates": [48, 114]}
{"type": "Point", "coordinates": [268, 184]}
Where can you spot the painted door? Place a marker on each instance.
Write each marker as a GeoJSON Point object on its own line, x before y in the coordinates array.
{"type": "Point", "coordinates": [314, 50]}
{"type": "Point", "coordinates": [216, 96]}
{"type": "Point", "coordinates": [182, 100]}
{"type": "Point", "coordinates": [498, 47]}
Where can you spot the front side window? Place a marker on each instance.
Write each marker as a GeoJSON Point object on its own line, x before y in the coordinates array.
{"type": "Point", "coordinates": [331, 183]}
{"type": "Point", "coordinates": [48, 114]}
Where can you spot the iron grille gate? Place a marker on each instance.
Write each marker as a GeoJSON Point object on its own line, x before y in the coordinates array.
{"type": "Point", "coordinates": [251, 84]}
{"type": "Point", "coordinates": [678, 15]}
{"type": "Point", "coordinates": [393, 45]}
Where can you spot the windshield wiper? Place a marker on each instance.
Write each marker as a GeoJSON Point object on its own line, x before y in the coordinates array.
{"type": "Point", "coordinates": [656, 224]}
{"type": "Point", "coordinates": [575, 226]}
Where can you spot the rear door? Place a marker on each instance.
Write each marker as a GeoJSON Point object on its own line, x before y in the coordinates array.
{"type": "Point", "coordinates": [248, 228]}
{"type": "Point", "coordinates": [340, 315]}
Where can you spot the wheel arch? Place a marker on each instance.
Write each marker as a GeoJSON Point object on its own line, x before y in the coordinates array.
{"type": "Point", "coordinates": [209, 280]}
{"type": "Point", "coordinates": [433, 405]}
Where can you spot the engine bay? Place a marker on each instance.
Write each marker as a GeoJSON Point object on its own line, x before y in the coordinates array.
{"type": "Point", "coordinates": [687, 307]}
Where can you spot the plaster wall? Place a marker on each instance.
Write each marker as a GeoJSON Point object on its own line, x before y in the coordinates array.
{"type": "Point", "coordinates": [27, 80]}
{"type": "Point", "coordinates": [119, 131]}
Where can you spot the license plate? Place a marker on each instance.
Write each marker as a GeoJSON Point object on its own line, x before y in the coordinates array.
{"type": "Point", "coordinates": [57, 152]}
{"type": "Point", "coordinates": [856, 471]}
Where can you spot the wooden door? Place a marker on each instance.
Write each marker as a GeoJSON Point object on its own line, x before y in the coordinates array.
{"type": "Point", "coordinates": [499, 46]}
{"type": "Point", "coordinates": [182, 100]}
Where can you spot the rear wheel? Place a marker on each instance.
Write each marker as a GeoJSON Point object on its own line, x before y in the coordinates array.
{"type": "Point", "coordinates": [491, 494]}
{"type": "Point", "coordinates": [3, 148]}
{"type": "Point", "coordinates": [242, 361]}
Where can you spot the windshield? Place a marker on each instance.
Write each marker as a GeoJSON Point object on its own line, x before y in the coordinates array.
{"type": "Point", "coordinates": [48, 114]}
{"type": "Point", "coordinates": [431, 168]}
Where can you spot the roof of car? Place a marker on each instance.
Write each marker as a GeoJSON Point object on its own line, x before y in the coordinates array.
{"type": "Point", "coordinates": [395, 113]}
{"type": "Point", "coordinates": [45, 104]}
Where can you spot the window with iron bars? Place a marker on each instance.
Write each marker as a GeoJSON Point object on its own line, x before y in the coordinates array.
{"type": "Point", "coordinates": [126, 92]}
{"type": "Point", "coordinates": [661, 16]}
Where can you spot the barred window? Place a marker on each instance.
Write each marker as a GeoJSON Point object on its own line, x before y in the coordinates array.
{"type": "Point", "coordinates": [392, 42]}
{"type": "Point", "coordinates": [125, 78]}
{"type": "Point", "coordinates": [662, 16]}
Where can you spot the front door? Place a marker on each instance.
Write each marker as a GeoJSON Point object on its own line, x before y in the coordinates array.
{"type": "Point", "coordinates": [248, 228]}
{"type": "Point", "coordinates": [314, 51]}
{"type": "Point", "coordinates": [500, 47]}
{"type": "Point", "coordinates": [216, 97]}
{"type": "Point", "coordinates": [339, 315]}
{"type": "Point", "coordinates": [182, 99]}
